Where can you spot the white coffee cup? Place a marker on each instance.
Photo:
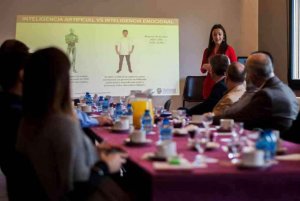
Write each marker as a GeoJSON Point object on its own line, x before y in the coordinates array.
{"type": "Point", "coordinates": [196, 118]}
{"type": "Point", "coordinates": [226, 124]}
{"type": "Point", "coordinates": [253, 158]}
{"type": "Point", "coordinates": [125, 121]}
{"type": "Point", "coordinates": [138, 136]}
{"type": "Point", "coordinates": [86, 108]}
{"type": "Point", "coordinates": [166, 149]}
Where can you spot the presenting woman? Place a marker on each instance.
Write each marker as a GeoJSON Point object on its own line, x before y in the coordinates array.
{"type": "Point", "coordinates": [217, 45]}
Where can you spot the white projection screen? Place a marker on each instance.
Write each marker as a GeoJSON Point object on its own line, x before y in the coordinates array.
{"type": "Point", "coordinates": [110, 55]}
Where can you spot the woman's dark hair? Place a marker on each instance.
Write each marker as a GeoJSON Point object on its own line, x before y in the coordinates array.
{"type": "Point", "coordinates": [211, 43]}
{"type": "Point", "coordinates": [47, 84]}
{"type": "Point", "coordinates": [13, 55]}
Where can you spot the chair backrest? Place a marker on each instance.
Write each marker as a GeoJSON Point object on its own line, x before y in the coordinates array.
{"type": "Point", "coordinates": [193, 88]}
{"type": "Point", "coordinates": [167, 104]}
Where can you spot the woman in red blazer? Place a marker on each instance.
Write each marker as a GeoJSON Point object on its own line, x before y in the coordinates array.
{"type": "Point", "coordinates": [217, 45]}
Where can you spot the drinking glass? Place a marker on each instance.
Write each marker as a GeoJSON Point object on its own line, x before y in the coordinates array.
{"type": "Point", "coordinates": [200, 142]}
{"type": "Point", "coordinates": [233, 150]}
{"type": "Point", "coordinates": [239, 128]}
{"type": "Point", "coordinates": [207, 120]}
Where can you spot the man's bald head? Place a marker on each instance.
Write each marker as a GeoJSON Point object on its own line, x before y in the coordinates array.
{"type": "Point", "coordinates": [236, 72]}
{"type": "Point", "coordinates": [260, 65]}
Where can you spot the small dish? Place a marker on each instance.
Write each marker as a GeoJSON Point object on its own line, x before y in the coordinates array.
{"type": "Point", "coordinates": [255, 167]}
{"type": "Point", "coordinates": [281, 151]}
{"type": "Point", "coordinates": [119, 130]}
{"type": "Point", "coordinates": [152, 156]}
{"type": "Point", "coordinates": [180, 132]}
{"type": "Point", "coordinates": [209, 146]}
{"type": "Point", "coordinates": [130, 143]}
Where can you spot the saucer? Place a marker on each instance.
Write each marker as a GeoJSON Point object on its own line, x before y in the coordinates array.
{"type": "Point", "coordinates": [196, 123]}
{"type": "Point", "coordinates": [152, 156]}
{"type": "Point", "coordinates": [281, 151]}
{"type": "Point", "coordinates": [180, 132]}
{"type": "Point", "coordinates": [130, 143]}
{"type": "Point", "coordinates": [209, 146]}
{"type": "Point", "coordinates": [255, 167]}
{"type": "Point", "coordinates": [119, 130]}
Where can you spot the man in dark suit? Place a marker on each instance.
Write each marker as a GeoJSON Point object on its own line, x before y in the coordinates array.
{"type": "Point", "coordinates": [219, 64]}
{"type": "Point", "coordinates": [273, 105]}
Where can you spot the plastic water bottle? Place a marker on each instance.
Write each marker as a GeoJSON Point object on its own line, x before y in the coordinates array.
{"type": "Point", "coordinates": [165, 132]}
{"type": "Point", "coordinates": [265, 143]}
{"type": "Point", "coordinates": [129, 113]}
{"type": "Point", "coordinates": [273, 144]}
{"type": "Point", "coordinates": [105, 105]}
{"type": "Point", "coordinates": [118, 111]}
{"type": "Point", "coordinates": [146, 122]}
{"type": "Point", "coordinates": [100, 103]}
{"type": "Point", "coordinates": [88, 99]}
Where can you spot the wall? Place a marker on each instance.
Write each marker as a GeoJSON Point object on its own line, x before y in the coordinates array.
{"type": "Point", "coordinates": [196, 18]}
{"type": "Point", "coordinates": [273, 33]}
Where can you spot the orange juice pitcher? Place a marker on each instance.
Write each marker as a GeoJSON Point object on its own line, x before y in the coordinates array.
{"type": "Point", "coordinates": [139, 105]}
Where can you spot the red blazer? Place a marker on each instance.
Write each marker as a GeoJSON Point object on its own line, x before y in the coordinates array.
{"type": "Point", "coordinates": [208, 81]}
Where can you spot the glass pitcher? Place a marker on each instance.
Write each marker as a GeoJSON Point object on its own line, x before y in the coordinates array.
{"type": "Point", "coordinates": [139, 105]}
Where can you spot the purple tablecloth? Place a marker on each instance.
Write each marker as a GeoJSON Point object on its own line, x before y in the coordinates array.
{"type": "Point", "coordinates": [219, 181]}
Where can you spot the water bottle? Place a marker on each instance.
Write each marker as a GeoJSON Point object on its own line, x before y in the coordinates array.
{"type": "Point", "coordinates": [105, 105]}
{"type": "Point", "coordinates": [265, 143]}
{"type": "Point", "coordinates": [273, 145]}
{"type": "Point", "coordinates": [129, 113]}
{"type": "Point", "coordinates": [100, 103]}
{"type": "Point", "coordinates": [146, 122]}
{"type": "Point", "coordinates": [165, 132]}
{"type": "Point", "coordinates": [88, 99]}
{"type": "Point", "coordinates": [118, 111]}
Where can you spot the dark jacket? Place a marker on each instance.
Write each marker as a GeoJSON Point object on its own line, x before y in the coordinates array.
{"type": "Point", "coordinates": [216, 94]}
{"type": "Point", "coordinates": [274, 106]}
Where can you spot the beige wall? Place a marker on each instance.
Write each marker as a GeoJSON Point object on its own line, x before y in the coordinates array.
{"type": "Point", "coordinates": [239, 17]}
{"type": "Point", "coordinates": [273, 33]}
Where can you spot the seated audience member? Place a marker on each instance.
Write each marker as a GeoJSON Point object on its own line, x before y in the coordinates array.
{"type": "Point", "coordinates": [219, 64]}
{"type": "Point", "coordinates": [273, 105]}
{"type": "Point", "coordinates": [51, 138]}
{"type": "Point", "coordinates": [13, 55]}
{"type": "Point", "coordinates": [86, 121]}
{"type": "Point", "coordinates": [235, 82]}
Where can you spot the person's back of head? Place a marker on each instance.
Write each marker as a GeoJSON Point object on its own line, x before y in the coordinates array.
{"type": "Point", "coordinates": [259, 67]}
{"type": "Point", "coordinates": [47, 84]}
{"type": "Point", "coordinates": [13, 55]}
{"type": "Point", "coordinates": [236, 72]}
{"type": "Point", "coordinates": [219, 64]}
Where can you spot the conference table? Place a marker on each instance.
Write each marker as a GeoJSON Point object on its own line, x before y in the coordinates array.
{"type": "Point", "coordinates": [220, 181]}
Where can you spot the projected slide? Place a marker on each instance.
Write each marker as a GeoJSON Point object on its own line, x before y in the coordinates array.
{"type": "Point", "coordinates": [110, 55]}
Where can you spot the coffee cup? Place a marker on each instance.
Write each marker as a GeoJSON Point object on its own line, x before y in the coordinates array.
{"type": "Point", "coordinates": [226, 124]}
{"type": "Point", "coordinates": [138, 136]}
{"type": "Point", "coordinates": [121, 125]}
{"type": "Point", "coordinates": [86, 108]}
{"type": "Point", "coordinates": [253, 158]}
{"type": "Point", "coordinates": [166, 149]}
{"type": "Point", "coordinates": [196, 118]}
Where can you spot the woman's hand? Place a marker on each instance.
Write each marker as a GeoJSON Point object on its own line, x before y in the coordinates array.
{"type": "Point", "coordinates": [207, 67]}
{"type": "Point", "coordinates": [114, 157]}
{"type": "Point", "coordinates": [104, 120]}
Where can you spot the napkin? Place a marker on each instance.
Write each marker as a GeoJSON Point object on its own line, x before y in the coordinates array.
{"type": "Point", "coordinates": [184, 165]}
{"type": "Point", "coordinates": [289, 157]}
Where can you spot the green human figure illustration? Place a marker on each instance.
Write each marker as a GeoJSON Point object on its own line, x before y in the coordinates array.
{"type": "Point", "coordinates": [71, 40]}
